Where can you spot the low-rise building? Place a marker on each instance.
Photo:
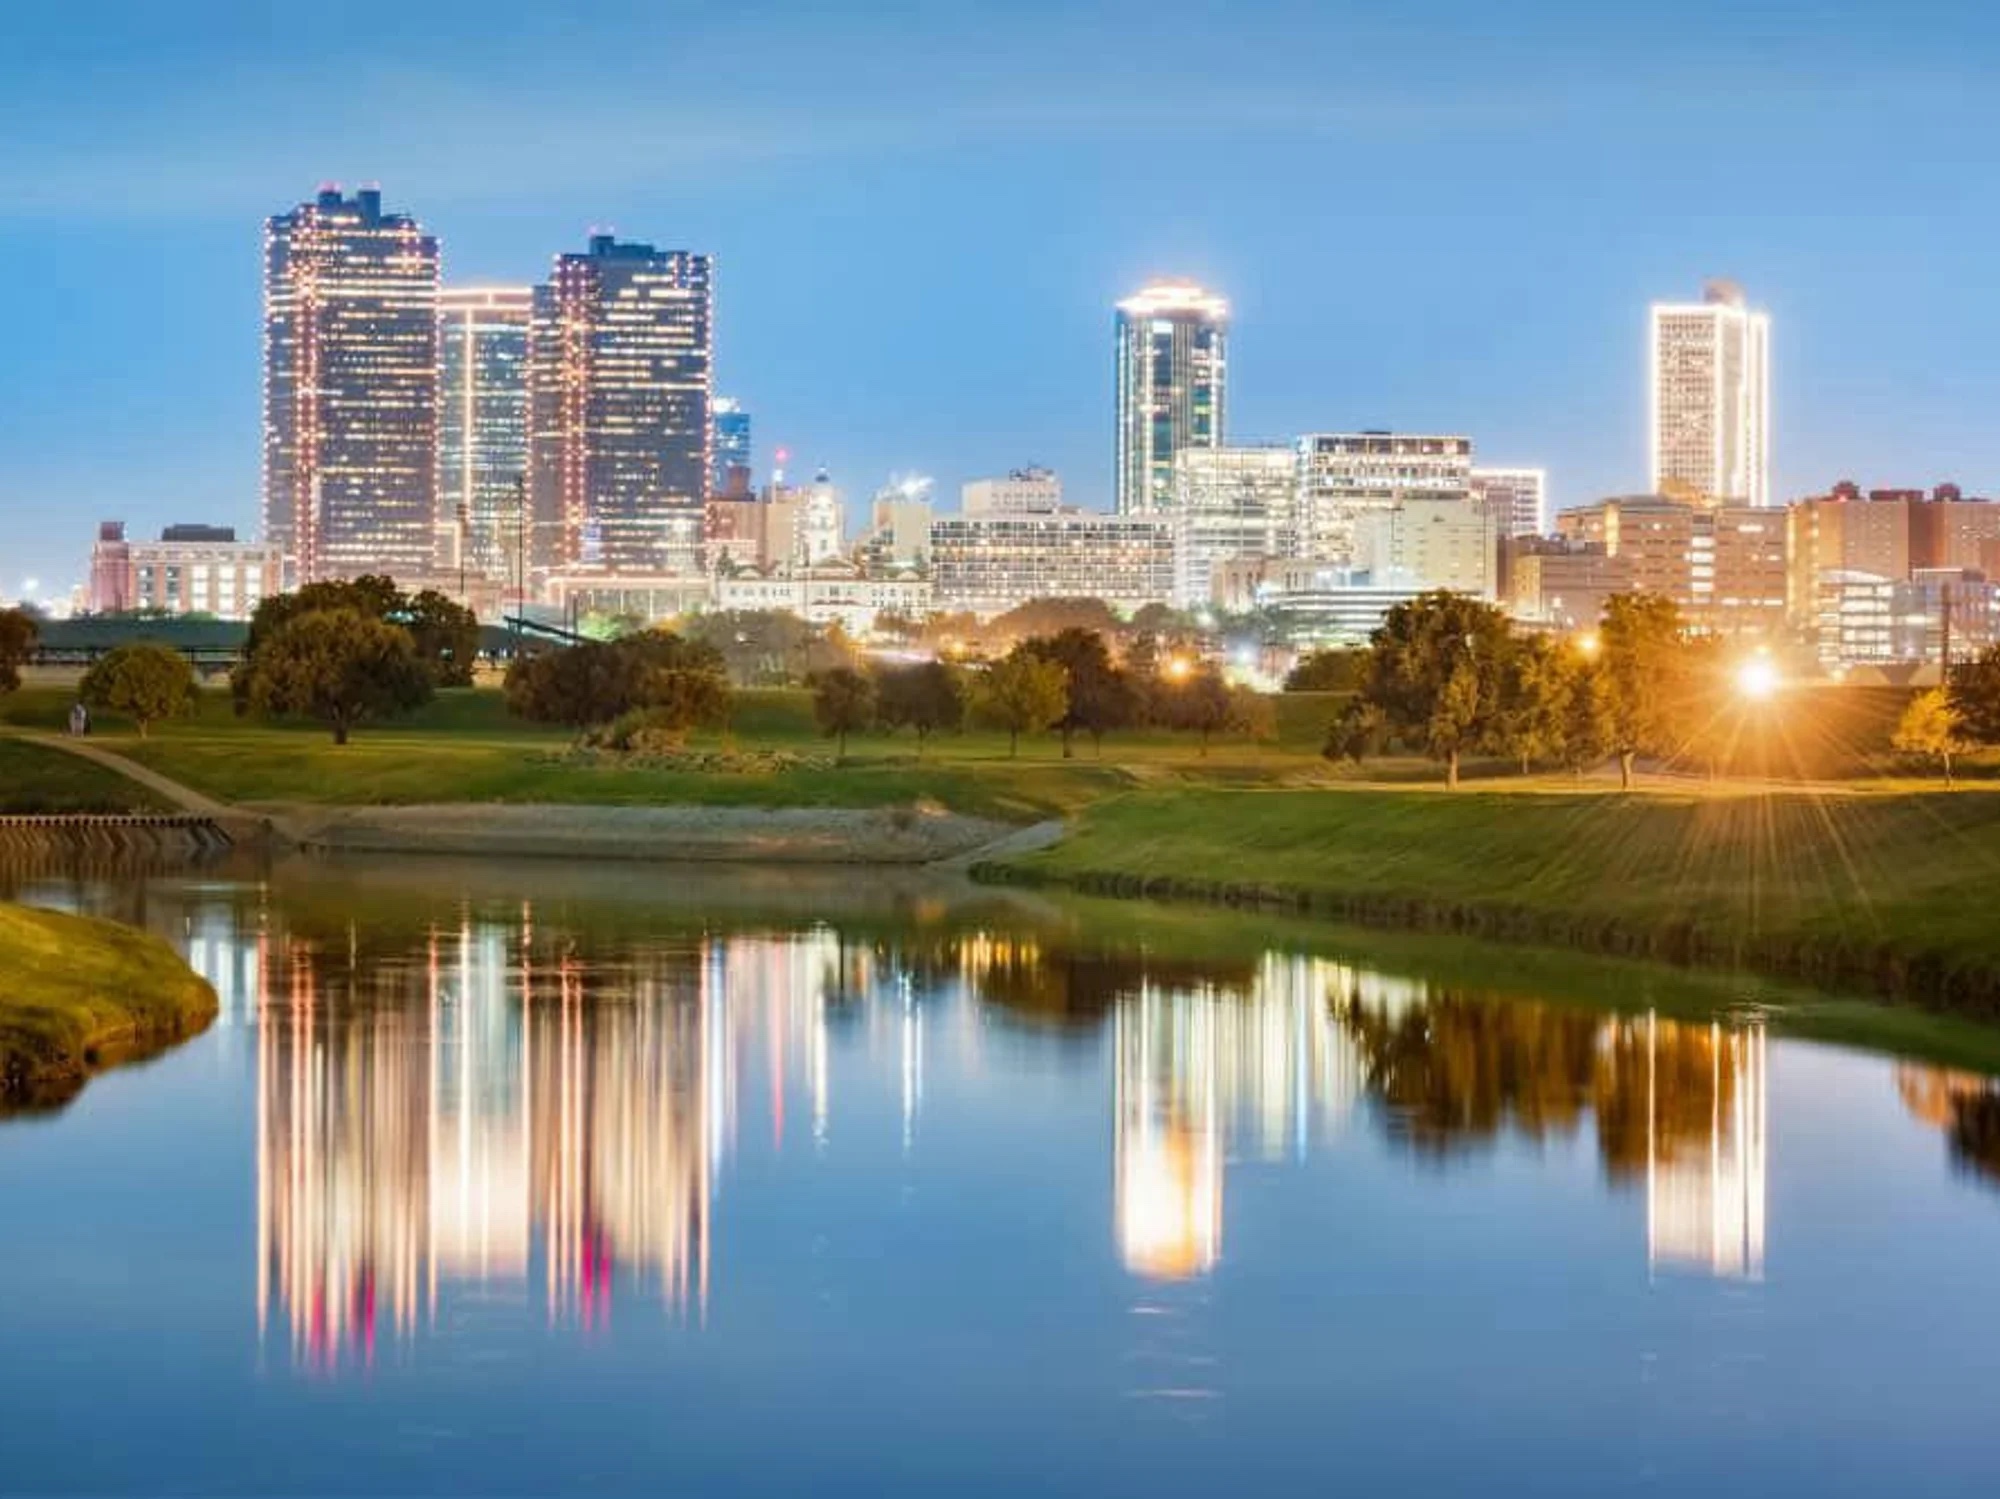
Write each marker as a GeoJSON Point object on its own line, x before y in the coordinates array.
{"type": "Point", "coordinates": [1565, 586]}
{"type": "Point", "coordinates": [1430, 544]}
{"type": "Point", "coordinates": [189, 570]}
{"type": "Point", "coordinates": [644, 596]}
{"type": "Point", "coordinates": [835, 593]}
{"type": "Point", "coordinates": [989, 563]}
{"type": "Point", "coordinates": [1517, 497]}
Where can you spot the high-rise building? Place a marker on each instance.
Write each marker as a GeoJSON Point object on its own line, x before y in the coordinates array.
{"type": "Point", "coordinates": [1517, 498]}
{"type": "Point", "coordinates": [731, 443]}
{"type": "Point", "coordinates": [1346, 475]}
{"type": "Point", "coordinates": [1229, 503]}
{"type": "Point", "coordinates": [987, 564]}
{"type": "Point", "coordinates": [1711, 399]}
{"type": "Point", "coordinates": [1173, 365]}
{"type": "Point", "coordinates": [619, 422]}
{"type": "Point", "coordinates": [483, 427]}
{"type": "Point", "coordinates": [1724, 566]}
{"type": "Point", "coordinates": [350, 387]}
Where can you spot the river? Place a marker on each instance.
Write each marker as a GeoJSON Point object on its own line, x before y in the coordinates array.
{"type": "Point", "coordinates": [549, 1178]}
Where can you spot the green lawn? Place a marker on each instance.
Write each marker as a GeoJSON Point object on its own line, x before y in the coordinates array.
{"type": "Point", "coordinates": [1889, 887]}
{"type": "Point", "coordinates": [77, 994]}
{"type": "Point", "coordinates": [41, 781]}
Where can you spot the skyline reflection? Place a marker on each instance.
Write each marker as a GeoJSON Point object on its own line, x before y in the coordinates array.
{"type": "Point", "coordinates": [505, 1098]}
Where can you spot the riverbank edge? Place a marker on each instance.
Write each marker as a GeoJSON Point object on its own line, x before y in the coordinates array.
{"type": "Point", "coordinates": [79, 995]}
{"type": "Point", "coordinates": [1928, 979]}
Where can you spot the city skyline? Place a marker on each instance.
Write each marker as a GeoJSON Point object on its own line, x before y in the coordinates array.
{"type": "Point", "coordinates": [1534, 340]}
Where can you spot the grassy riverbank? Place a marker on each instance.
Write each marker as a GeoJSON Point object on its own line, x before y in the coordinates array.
{"type": "Point", "coordinates": [1886, 891]}
{"type": "Point", "coordinates": [78, 994]}
{"type": "Point", "coordinates": [38, 781]}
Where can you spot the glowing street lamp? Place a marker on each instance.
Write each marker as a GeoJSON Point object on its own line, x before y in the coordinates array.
{"type": "Point", "coordinates": [1178, 668]}
{"type": "Point", "coordinates": [1757, 679]}
{"type": "Point", "coordinates": [1588, 645]}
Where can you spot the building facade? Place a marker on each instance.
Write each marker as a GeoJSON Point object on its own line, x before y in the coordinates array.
{"type": "Point", "coordinates": [1229, 503]}
{"type": "Point", "coordinates": [1346, 475]}
{"type": "Point", "coordinates": [1427, 544]}
{"type": "Point", "coordinates": [1710, 366]}
{"type": "Point", "coordinates": [1566, 586]}
{"type": "Point", "coordinates": [620, 434]}
{"type": "Point", "coordinates": [989, 564]}
{"type": "Point", "coordinates": [730, 443]}
{"type": "Point", "coordinates": [189, 570]}
{"type": "Point", "coordinates": [1518, 498]}
{"type": "Point", "coordinates": [1724, 566]}
{"type": "Point", "coordinates": [1024, 491]}
{"type": "Point", "coordinates": [1172, 388]}
{"type": "Point", "coordinates": [483, 428]}
{"type": "Point", "coordinates": [850, 597]}
{"type": "Point", "coordinates": [350, 388]}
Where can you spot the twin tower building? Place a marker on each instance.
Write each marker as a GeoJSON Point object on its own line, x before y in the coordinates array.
{"type": "Point", "coordinates": [415, 430]}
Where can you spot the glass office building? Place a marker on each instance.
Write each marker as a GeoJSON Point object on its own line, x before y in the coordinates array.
{"type": "Point", "coordinates": [483, 426]}
{"type": "Point", "coordinates": [1172, 356]}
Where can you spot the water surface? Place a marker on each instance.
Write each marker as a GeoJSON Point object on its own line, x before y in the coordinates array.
{"type": "Point", "coordinates": [545, 1179]}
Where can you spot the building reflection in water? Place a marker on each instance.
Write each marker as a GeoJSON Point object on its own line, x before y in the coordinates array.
{"type": "Point", "coordinates": [482, 1107]}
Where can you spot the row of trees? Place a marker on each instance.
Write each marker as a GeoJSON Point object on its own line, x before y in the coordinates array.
{"type": "Point", "coordinates": [1448, 677]}
{"type": "Point", "coordinates": [678, 684]}
{"type": "Point", "coordinates": [1066, 682]}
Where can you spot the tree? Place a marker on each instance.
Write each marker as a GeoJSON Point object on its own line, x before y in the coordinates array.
{"type": "Point", "coordinates": [1434, 675]}
{"type": "Point", "coordinates": [18, 634]}
{"type": "Point", "coordinates": [598, 680]}
{"type": "Point", "coordinates": [1644, 664]}
{"type": "Point", "coordinates": [1328, 671]}
{"type": "Point", "coordinates": [1584, 722]}
{"type": "Point", "coordinates": [1534, 692]}
{"type": "Point", "coordinates": [144, 682]}
{"type": "Point", "coordinates": [681, 698]}
{"type": "Point", "coordinates": [1929, 728]}
{"type": "Point", "coordinates": [1052, 616]}
{"type": "Point", "coordinates": [1974, 692]}
{"type": "Point", "coordinates": [1021, 693]}
{"type": "Point", "coordinates": [1201, 703]}
{"type": "Point", "coordinates": [1100, 698]}
{"type": "Point", "coordinates": [445, 635]}
{"type": "Point", "coordinates": [926, 696]}
{"type": "Point", "coordinates": [339, 666]}
{"type": "Point", "coordinates": [843, 704]}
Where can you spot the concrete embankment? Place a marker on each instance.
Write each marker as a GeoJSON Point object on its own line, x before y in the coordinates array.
{"type": "Point", "coordinates": [783, 835]}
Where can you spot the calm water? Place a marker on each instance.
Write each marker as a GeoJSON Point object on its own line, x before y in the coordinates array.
{"type": "Point", "coordinates": [554, 1179]}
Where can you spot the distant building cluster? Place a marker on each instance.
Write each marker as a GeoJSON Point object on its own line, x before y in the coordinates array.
{"type": "Point", "coordinates": [560, 446]}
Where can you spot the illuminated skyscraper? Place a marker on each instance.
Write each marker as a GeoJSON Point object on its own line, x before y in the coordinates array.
{"type": "Point", "coordinates": [619, 420]}
{"type": "Point", "coordinates": [350, 387]}
{"type": "Point", "coordinates": [1172, 387]}
{"type": "Point", "coordinates": [732, 442]}
{"type": "Point", "coordinates": [482, 424]}
{"type": "Point", "coordinates": [1711, 399]}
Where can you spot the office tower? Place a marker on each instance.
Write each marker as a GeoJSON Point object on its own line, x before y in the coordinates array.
{"type": "Point", "coordinates": [483, 427]}
{"type": "Point", "coordinates": [731, 443]}
{"type": "Point", "coordinates": [619, 422]}
{"type": "Point", "coordinates": [350, 387]}
{"type": "Point", "coordinates": [1172, 387]}
{"type": "Point", "coordinates": [1229, 503]}
{"type": "Point", "coordinates": [1346, 475]}
{"type": "Point", "coordinates": [1711, 399]}
{"type": "Point", "coordinates": [1517, 498]}
{"type": "Point", "coordinates": [1724, 566]}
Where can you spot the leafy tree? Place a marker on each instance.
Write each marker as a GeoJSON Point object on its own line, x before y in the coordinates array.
{"type": "Point", "coordinates": [1434, 675]}
{"type": "Point", "coordinates": [599, 680]}
{"type": "Point", "coordinates": [925, 695]}
{"type": "Point", "coordinates": [1645, 669]}
{"type": "Point", "coordinates": [770, 647]}
{"type": "Point", "coordinates": [1052, 617]}
{"type": "Point", "coordinates": [1975, 696]}
{"type": "Point", "coordinates": [1200, 703]}
{"type": "Point", "coordinates": [1584, 723]}
{"type": "Point", "coordinates": [444, 633]}
{"type": "Point", "coordinates": [1328, 671]}
{"type": "Point", "coordinates": [143, 681]}
{"type": "Point", "coordinates": [1101, 697]}
{"type": "Point", "coordinates": [1929, 728]}
{"type": "Point", "coordinates": [681, 698]}
{"type": "Point", "coordinates": [18, 634]}
{"type": "Point", "coordinates": [339, 666]}
{"type": "Point", "coordinates": [1021, 693]}
{"type": "Point", "coordinates": [843, 704]}
{"type": "Point", "coordinates": [1534, 696]}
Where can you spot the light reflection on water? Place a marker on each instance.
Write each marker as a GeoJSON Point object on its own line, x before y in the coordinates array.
{"type": "Point", "coordinates": [474, 1103]}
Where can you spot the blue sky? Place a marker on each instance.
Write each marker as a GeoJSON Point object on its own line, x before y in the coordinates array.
{"type": "Point", "coordinates": [1435, 214]}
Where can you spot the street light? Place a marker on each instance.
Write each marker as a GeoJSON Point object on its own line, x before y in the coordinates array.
{"type": "Point", "coordinates": [1758, 678]}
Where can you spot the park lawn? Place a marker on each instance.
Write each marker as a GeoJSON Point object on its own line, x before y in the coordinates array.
{"type": "Point", "coordinates": [77, 994]}
{"type": "Point", "coordinates": [1892, 887]}
{"type": "Point", "coordinates": [38, 781]}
